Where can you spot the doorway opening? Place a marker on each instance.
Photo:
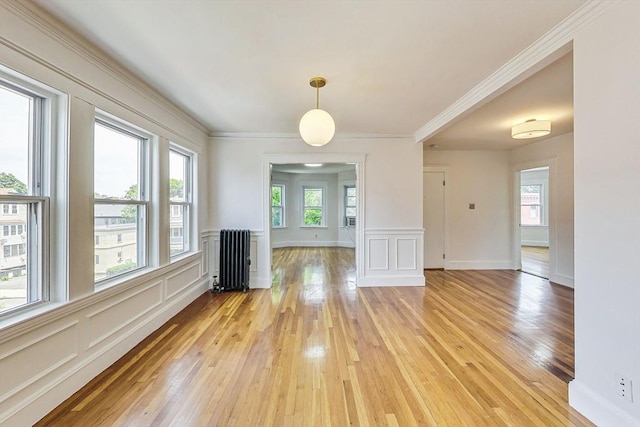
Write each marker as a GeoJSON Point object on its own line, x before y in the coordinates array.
{"type": "Point", "coordinates": [314, 217]}
{"type": "Point", "coordinates": [534, 221]}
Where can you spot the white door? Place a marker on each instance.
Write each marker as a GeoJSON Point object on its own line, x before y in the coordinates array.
{"type": "Point", "coordinates": [433, 210]}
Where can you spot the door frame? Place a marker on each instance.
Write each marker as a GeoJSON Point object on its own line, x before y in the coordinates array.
{"type": "Point", "coordinates": [517, 237]}
{"type": "Point", "coordinates": [442, 169]}
{"type": "Point", "coordinates": [357, 159]}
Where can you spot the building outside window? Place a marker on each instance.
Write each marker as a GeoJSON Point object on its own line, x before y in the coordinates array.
{"type": "Point", "coordinates": [180, 199]}
{"type": "Point", "coordinates": [531, 205]}
{"type": "Point", "coordinates": [25, 126]}
{"type": "Point", "coordinates": [277, 206]}
{"type": "Point", "coordinates": [121, 198]}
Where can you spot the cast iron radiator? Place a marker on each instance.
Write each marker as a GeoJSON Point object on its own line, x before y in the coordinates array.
{"type": "Point", "coordinates": [235, 260]}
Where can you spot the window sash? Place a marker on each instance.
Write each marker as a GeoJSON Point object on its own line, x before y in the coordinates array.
{"type": "Point", "coordinates": [308, 208]}
{"type": "Point", "coordinates": [277, 210]}
{"type": "Point", "coordinates": [142, 233]}
{"type": "Point", "coordinates": [34, 249]}
{"type": "Point", "coordinates": [180, 244]}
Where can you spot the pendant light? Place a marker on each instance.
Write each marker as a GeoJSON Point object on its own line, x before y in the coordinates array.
{"type": "Point", "coordinates": [317, 126]}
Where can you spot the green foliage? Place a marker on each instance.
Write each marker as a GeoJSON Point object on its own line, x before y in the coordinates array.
{"type": "Point", "coordinates": [132, 193]}
{"type": "Point", "coordinates": [276, 220]}
{"type": "Point", "coordinates": [312, 197]}
{"type": "Point", "coordinates": [176, 189]}
{"type": "Point", "coordinates": [276, 196]}
{"type": "Point", "coordinates": [8, 180]}
{"type": "Point", "coordinates": [130, 212]}
{"type": "Point", "coordinates": [121, 268]}
{"type": "Point", "coordinates": [313, 217]}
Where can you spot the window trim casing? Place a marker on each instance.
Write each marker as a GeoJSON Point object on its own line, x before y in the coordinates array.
{"type": "Point", "coordinates": [143, 223]}
{"type": "Point", "coordinates": [187, 204]}
{"type": "Point", "coordinates": [322, 185]}
{"type": "Point", "coordinates": [345, 206]}
{"type": "Point", "coordinates": [283, 223]}
{"type": "Point", "coordinates": [541, 205]}
{"type": "Point", "coordinates": [47, 129]}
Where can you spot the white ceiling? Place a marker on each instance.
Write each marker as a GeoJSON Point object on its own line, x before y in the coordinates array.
{"type": "Point", "coordinates": [546, 95]}
{"type": "Point", "coordinates": [244, 66]}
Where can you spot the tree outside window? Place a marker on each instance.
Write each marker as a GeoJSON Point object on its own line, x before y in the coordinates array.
{"type": "Point", "coordinates": [277, 206]}
{"type": "Point", "coordinates": [313, 206]}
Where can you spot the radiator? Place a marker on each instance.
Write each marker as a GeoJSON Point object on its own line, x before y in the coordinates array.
{"type": "Point", "coordinates": [235, 260]}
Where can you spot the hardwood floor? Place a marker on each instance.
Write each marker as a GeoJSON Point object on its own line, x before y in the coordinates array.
{"type": "Point", "coordinates": [535, 260]}
{"type": "Point", "coordinates": [472, 348]}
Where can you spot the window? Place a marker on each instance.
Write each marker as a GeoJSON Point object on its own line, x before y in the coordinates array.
{"type": "Point", "coordinates": [313, 205]}
{"type": "Point", "coordinates": [25, 125]}
{"type": "Point", "coordinates": [277, 205]}
{"type": "Point", "coordinates": [97, 240]}
{"type": "Point", "coordinates": [349, 205]}
{"type": "Point", "coordinates": [121, 164]}
{"type": "Point", "coordinates": [180, 199]}
{"type": "Point", "coordinates": [531, 203]}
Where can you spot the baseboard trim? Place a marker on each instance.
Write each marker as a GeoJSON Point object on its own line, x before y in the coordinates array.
{"type": "Point", "coordinates": [561, 280]}
{"type": "Point", "coordinates": [382, 281]}
{"type": "Point", "coordinates": [597, 409]}
{"type": "Point", "coordinates": [479, 265]}
{"type": "Point", "coordinates": [311, 244]}
{"type": "Point", "coordinates": [535, 243]}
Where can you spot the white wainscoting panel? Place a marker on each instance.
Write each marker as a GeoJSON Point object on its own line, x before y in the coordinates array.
{"type": "Point", "coordinates": [44, 352]}
{"type": "Point", "coordinates": [48, 358]}
{"type": "Point", "coordinates": [114, 315]}
{"type": "Point", "coordinates": [377, 253]}
{"type": "Point", "coordinates": [182, 279]}
{"type": "Point", "coordinates": [393, 258]}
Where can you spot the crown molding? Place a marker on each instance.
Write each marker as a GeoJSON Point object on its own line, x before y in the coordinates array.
{"type": "Point", "coordinates": [52, 27]}
{"type": "Point", "coordinates": [542, 52]}
{"type": "Point", "coordinates": [296, 136]}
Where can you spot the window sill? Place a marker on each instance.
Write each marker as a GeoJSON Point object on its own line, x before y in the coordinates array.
{"type": "Point", "coordinates": [279, 228]}
{"type": "Point", "coordinates": [313, 226]}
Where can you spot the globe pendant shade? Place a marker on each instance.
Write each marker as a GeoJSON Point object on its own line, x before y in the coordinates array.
{"type": "Point", "coordinates": [317, 127]}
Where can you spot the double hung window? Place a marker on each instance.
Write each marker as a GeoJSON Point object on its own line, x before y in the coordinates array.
{"type": "Point", "coordinates": [313, 205]}
{"type": "Point", "coordinates": [25, 141]}
{"type": "Point", "coordinates": [121, 198]}
{"type": "Point", "coordinates": [531, 205]}
{"type": "Point", "coordinates": [180, 200]}
{"type": "Point", "coordinates": [277, 206]}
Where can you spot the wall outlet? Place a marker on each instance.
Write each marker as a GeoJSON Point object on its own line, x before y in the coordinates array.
{"type": "Point", "coordinates": [623, 387]}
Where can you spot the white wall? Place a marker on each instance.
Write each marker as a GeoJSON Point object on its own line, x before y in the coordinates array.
{"type": "Point", "coordinates": [607, 215]}
{"type": "Point", "coordinates": [46, 357]}
{"type": "Point", "coordinates": [390, 232]}
{"type": "Point", "coordinates": [479, 238]}
{"type": "Point", "coordinates": [335, 233]}
{"type": "Point", "coordinates": [559, 152]}
{"type": "Point", "coordinates": [295, 234]}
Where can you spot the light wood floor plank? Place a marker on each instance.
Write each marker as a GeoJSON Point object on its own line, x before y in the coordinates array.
{"type": "Point", "coordinates": [472, 348]}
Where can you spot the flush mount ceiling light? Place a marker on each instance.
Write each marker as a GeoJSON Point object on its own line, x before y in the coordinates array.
{"type": "Point", "coordinates": [531, 129]}
{"type": "Point", "coordinates": [317, 126]}
{"type": "Point", "coordinates": [313, 165]}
